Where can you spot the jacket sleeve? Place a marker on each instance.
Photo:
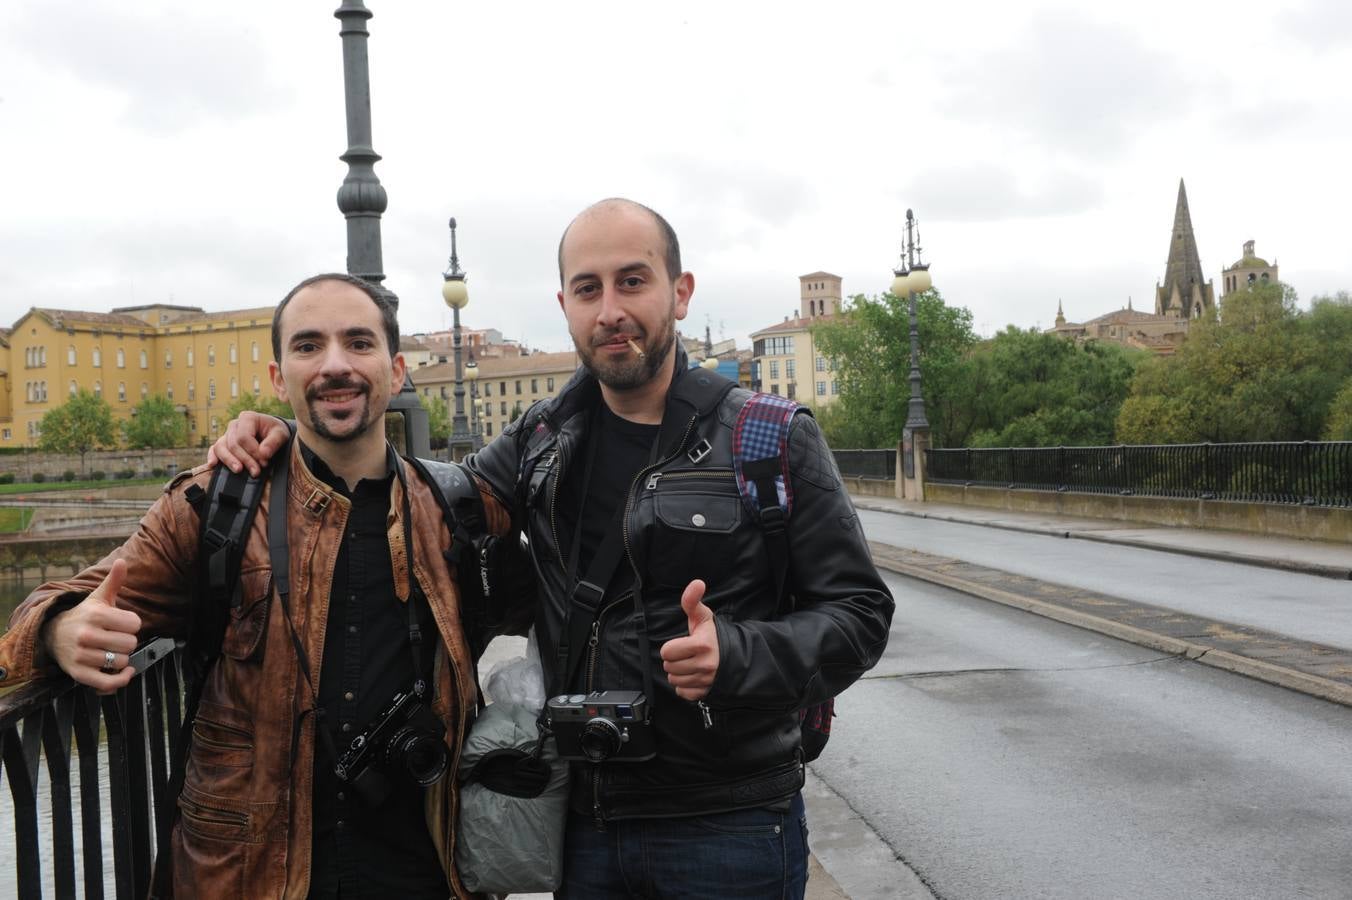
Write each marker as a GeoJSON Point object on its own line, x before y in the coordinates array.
{"type": "Point", "coordinates": [160, 557]}
{"type": "Point", "coordinates": [842, 610]}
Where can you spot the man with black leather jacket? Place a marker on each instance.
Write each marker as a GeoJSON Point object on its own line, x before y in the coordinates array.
{"type": "Point", "coordinates": [635, 429]}
{"type": "Point", "coordinates": [653, 577]}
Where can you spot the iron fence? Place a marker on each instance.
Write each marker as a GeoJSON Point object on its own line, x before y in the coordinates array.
{"type": "Point", "coordinates": [1312, 473]}
{"type": "Point", "coordinates": [124, 743]}
{"type": "Point", "coordinates": [867, 463]}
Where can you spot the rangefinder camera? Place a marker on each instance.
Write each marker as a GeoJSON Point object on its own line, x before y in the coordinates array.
{"type": "Point", "coordinates": [603, 726]}
{"type": "Point", "coordinates": [404, 741]}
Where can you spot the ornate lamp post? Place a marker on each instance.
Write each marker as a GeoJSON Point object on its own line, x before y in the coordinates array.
{"type": "Point", "coordinates": [362, 198]}
{"type": "Point", "coordinates": [912, 278]}
{"type": "Point", "coordinates": [456, 295]}
{"type": "Point", "coordinates": [472, 376]}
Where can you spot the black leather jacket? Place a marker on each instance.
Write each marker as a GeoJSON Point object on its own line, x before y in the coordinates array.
{"type": "Point", "coordinates": [685, 520]}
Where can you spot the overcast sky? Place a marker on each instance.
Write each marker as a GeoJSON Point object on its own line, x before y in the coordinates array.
{"type": "Point", "coordinates": [187, 152]}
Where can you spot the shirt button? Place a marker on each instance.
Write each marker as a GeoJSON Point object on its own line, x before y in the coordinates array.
{"type": "Point", "coordinates": [348, 696]}
{"type": "Point", "coordinates": [342, 796]}
{"type": "Point", "coordinates": [347, 726]}
{"type": "Point", "coordinates": [352, 629]}
{"type": "Point", "coordinates": [338, 824]}
{"type": "Point", "coordinates": [352, 597]}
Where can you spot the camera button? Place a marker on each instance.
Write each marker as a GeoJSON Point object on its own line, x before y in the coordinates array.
{"type": "Point", "coordinates": [349, 696]}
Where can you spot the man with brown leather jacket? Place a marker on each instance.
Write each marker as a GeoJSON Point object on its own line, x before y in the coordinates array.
{"type": "Point", "coordinates": [263, 813]}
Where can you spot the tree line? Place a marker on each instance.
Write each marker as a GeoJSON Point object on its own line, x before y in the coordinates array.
{"type": "Point", "coordinates": [1257, 369]}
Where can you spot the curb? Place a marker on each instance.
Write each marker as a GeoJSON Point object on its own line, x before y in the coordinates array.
{"type": "Point", "coordinates": [1338, 573]}
{"type": "Point", "coordinates": [1261, 670]}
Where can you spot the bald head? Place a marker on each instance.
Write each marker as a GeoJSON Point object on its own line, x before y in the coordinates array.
{"type": "Point", "coordinates": [671, 250]}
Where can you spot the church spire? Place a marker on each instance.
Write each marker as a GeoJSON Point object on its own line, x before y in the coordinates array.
{"type": "Point", "coordinates": [1184, 290]}
{"type": "Point", "coordinates": [1060, 316]}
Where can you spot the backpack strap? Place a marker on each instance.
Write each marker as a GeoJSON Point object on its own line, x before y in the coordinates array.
{"type": "Point", "coordinates": [760, 460]}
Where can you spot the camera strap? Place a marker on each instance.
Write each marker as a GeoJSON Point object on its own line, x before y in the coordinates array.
{"type": "Point", "coordinates": [582, 616]}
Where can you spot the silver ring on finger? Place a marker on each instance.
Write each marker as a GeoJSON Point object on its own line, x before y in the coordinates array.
{"type": "Point", "coordinates": [109, 658]}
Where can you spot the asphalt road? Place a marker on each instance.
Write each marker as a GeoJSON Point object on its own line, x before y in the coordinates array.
{"type": "Point", "coordinates": [1303, 606]}
{"type": "Point", "coordinates": [1003, 755]}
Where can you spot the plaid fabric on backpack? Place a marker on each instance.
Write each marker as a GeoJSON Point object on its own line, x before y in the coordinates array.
{"type": "Point", "coordinates": [760, 460]}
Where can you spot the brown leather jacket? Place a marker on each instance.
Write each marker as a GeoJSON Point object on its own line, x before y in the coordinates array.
{"type": "Point", "coordinates": [245, 823]}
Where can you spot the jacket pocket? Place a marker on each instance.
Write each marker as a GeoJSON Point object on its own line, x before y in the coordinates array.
{"type": "Point", "coordinates": [694, 524]}
{"type": "Point", "coordinates": [249, 620]}
{"type": "Point", "coordinates": [214, 817]}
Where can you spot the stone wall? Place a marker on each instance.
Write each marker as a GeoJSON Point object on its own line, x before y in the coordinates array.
{"type": "Point", "coordinates": [23, 465]}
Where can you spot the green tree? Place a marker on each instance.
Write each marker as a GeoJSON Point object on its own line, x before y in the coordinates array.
{"type": "Point", "coordinates": [871, 349]}
{"type": "Point", "coordinates": [1026, 388]}
{"type": "Point", "coordinates": [1260, 370]}
{"type": "Point", "coordinates": [438, 420]}
{"type": "Point", "coordinates": [155, 424]}
{"type": "Point", "coordinates": [258, 403]}
{"type": "Point", "coordinates": [1339, 424]}
{"type": "Point", "coordinates": [82, 423]}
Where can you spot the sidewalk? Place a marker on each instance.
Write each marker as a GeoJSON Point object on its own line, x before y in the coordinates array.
{"type": "Point", "coordinates": [1312, 668]}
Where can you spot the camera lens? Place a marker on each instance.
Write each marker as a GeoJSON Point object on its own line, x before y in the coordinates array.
{"type": "Point", "coordinates": [600, 739]}
{"type": "Point", "coordinates": [422, 755]}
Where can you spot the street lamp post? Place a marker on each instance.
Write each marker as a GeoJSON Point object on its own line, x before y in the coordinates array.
{"type": "Point", "coordinates": [456, 295]}
{"type": "Point", "coordinates": [362, 199]}
{"type": "Point", "coordinates": [913, 278]}
{"type": "Point", "coordinates": [472, 376]}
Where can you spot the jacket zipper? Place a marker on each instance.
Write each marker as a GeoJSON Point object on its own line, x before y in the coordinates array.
{"type": "Point", "coordinates": [667, 476]}
{"type": "Point", "coordinates": [215, 813]}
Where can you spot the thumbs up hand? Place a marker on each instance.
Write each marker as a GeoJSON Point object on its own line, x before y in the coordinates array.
{"type": "Point", "coordinates": [80, 639]}
{"type": "Point", "coordinates": [692, 662]}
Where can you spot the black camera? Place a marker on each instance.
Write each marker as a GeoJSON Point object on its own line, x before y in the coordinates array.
{"type": "Point", "coordinates": [602, 726]}
{"type": "Point", "coordinates": [406, 739]}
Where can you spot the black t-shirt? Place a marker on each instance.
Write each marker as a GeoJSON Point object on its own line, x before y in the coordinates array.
{"type": "Point", "coordinates": [622, 449]}
{"type": "Point", "coordinates": [360, 851]}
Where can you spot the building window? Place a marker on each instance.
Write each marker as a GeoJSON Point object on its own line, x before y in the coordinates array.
{"type": "Point", "coordinates": [192, 391]}
{"type": "Point", "coordinates": [211, 391]}
{"type": "Point", "coordinates": [145, 390]}
{"type": "Point", "coordinates": [488, 388]}
{"type": "Point", "coordinates": [549, 384]}
{"type": "Point", "coordinates": [98, 389]}
{"type": "Point", "coordinates": [444, 395]}
{"type": "Point", "coordinates": [255, 385]}
{"type": "Point", "coordinates": [190, 357]}
{"type": "Point", "coordinates": [168, 359]}
{"type": "Point", "coordinates": [42, 356]}
{"type": "Point", "coordinates": [253, 351]}
{"type": "Point", "coordinates": [8, 434]}
{"type": "Point", "coordinates": [98, 358]}
{"type": "Point", "coordinates": [793, 390]}
{"type": "Point", "coordinates": [504, 407]}
{"type": "Point", "coordinates": [215, 424]}
{"type": "Point", "coordinates": [488, 429]}
{"type": "Point", "coordinates": [73, 387]}
{"type": "Point", "coordinates": [211, 356]}
{"type": "Point", "coordinates": [821, 389]}
{"type": "Point", "coordinates": [821, 364]}
{"type": "Point", "coordinates": [774, 389]}
{"type": "Point", "coordinates": [790, 368]}
{"type": "Point", "coordinates": [234, 387]}
{"type": "Point", "coordinates": [502, 388]}
{"type": "Point", "coordinates": [145, 360]}
{"type": "Point", "coordinates": [835, 386]}
{"type": "Point", "coordinates": [169, 391]}
{"type": "Point", "coordinates": [535, 386]}
{"type": "Point", "coordinates": [122, 392]}
{"type": "Point", "coordinates": [777, 346]}
{"type": "Point", "coordinates": [234, 355]}
{"type": "Point", "coordinates": [121, 358]}
{"type": "Point", "coordinates": [70, 356]}
{"type": "Point", "coordinates": [518, 386]}
{"type": "Point", "coordinates": [774, 369]}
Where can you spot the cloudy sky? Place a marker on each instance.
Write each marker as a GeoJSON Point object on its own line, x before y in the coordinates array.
{"type": "Point", "coordinates": [161, 151]}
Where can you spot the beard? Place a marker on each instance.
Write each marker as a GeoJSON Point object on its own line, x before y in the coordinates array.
{"type": "Point", "coordinates": [330, 425]}
{"type": "Point", "coordinates": [628, 372]}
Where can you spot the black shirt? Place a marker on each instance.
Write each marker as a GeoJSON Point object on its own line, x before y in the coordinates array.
{"type": "Point", "coordinates": [622, 449]}
{"type": "Point", "coordinates": [360, 851]}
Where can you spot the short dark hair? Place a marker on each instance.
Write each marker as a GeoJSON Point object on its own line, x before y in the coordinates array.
{"type": "Point", "coordinates": [389, 320]}
{"type": "Point", "coordinates": [671, 254]}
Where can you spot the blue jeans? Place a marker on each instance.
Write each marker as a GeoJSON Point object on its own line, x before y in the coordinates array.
{"type": "Point", "coordinates": [750, 854]}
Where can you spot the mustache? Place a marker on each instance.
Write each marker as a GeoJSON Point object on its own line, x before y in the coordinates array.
{"type": "Point", "coordinates": [610, 334]}
{"type": "Point", "coordinates": [336, 384]}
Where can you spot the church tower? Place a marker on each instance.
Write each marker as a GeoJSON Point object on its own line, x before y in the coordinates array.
{"type": "Point", "coordinates": [819, 295]}
{"type": "Point", "coordinates": [1184, 294]}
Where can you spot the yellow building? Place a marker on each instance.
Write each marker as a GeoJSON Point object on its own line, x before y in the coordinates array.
{"type": "Point", "coordinates": [785, 359]}
{"type": "Point", "coordinates": [504, 388]}
{"type": "Point", "coordinates": [200, 361]}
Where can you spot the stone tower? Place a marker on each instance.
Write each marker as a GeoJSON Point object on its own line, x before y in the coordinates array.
{"type": "Point", "coordinates": [819, 295]}
{"type": "Point", "coordinates": [1250, 269]}
{"type": "Point", "coordinates": [1184, 294]}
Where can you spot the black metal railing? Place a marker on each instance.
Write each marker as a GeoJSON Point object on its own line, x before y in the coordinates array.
{"type": "Point", "coordinates": [122, 743]}
{"type": "Point", "coordinates": [867, 463]}
{"type": "Point", "coordinates": [1312, 473]}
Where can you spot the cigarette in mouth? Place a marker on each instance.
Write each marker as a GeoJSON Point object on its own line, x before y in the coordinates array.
{"type": "Point", "coordinates": [635, 347]}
